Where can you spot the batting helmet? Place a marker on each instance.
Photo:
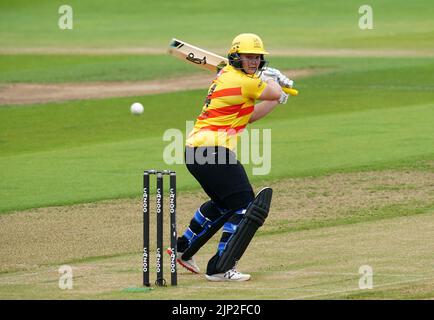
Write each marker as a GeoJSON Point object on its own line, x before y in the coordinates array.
{"type": "Point", "coordinates": [246, 43]}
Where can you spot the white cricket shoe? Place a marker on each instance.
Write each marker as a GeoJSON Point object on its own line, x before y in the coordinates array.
{"type": "Point", "coordinates": [189, 264]}
{"type": "Point", "coordinates": [230, 275]}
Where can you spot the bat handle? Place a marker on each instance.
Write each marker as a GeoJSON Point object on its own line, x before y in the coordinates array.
{"type": "Point", "coordinates": [292, 92]}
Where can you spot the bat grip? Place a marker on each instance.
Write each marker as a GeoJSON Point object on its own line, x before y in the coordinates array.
{"type": "Point", "coordinates": [291, 91]}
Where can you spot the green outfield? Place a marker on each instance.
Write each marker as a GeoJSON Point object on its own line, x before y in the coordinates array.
{"type": "Point", "coordinates": [346, 119]}
{"type": "Point", "coordinates": [85, 68]}
{"type": "Point", "coordinates": [352, 155]}
{"type": "Point", "coordinates": [285, 24]}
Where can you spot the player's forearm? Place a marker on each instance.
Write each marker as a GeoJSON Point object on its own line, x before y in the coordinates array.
{"type": "Point", "coordinates": [262, 109]}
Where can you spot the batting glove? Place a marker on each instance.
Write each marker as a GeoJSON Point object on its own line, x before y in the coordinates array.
{"type": "Point", "coordinates": [285, 82]}
{"type": "Point", "coordinates": [277, 76]}
{"type": "Point", "coordinates": [283, 98]}
{"type": "Point", "coordinates": [270, 73]}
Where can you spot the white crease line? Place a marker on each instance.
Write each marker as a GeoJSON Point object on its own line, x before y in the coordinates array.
{"type": "Point", "coordinates": [358, 289]}
{"type": "Point", "coordinates": [355, 274]}
{"type": "Point", "coordinates": [300, 289]}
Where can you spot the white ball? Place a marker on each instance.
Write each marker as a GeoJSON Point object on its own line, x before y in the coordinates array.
{"type": "Point", "coordinates": [136, 108]}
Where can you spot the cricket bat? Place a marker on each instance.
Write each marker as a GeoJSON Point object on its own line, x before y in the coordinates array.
{"type": "Point", "coordinates": [204, 59]}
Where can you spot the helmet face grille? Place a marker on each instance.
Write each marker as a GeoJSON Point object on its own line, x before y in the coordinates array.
{"type": "Point", "coordinates": [235, 61]}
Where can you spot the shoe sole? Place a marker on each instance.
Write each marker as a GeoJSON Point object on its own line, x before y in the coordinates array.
{"type": "Point", "coordinates": [187, 267]}
{"type": "Point", "coordinates": [218, 279]}
{"type": "Point", "coordinates": [182, 264]}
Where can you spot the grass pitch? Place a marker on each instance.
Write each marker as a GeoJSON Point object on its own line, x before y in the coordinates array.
{"type": "Point", "coordinates": [319, 233]}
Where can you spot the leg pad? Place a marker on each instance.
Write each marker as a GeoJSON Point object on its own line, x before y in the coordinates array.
{"type": "Point", "coordinates": [254, 218]}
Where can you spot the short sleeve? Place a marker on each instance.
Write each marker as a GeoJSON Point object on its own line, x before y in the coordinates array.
{"type": "Point", "coordinates": [252, 88]}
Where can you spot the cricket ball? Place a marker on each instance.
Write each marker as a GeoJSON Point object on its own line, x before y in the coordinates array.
{"type": "Point", "coordinates": [136, 108]}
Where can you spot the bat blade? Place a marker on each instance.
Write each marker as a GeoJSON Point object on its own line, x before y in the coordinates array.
{"type": "Point", "coordinates": [196, 56]}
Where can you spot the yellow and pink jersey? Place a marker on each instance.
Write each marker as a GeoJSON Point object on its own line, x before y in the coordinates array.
{"type": "Point", "coordinates": [227, 110]}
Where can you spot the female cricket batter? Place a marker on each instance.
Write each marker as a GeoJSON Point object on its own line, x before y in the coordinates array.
{"type": "Point", "coordinates": [229, 107]}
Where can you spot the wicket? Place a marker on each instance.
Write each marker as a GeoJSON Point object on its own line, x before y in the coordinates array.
{"type": "Point", "coordinates": [160, 281]}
